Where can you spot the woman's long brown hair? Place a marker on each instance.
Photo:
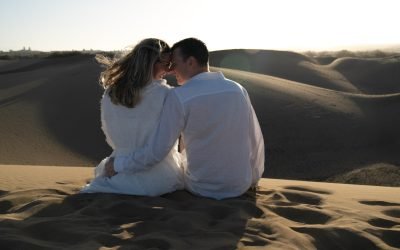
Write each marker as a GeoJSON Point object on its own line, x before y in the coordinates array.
{"type": "Point", "coordinates": [125, 77]}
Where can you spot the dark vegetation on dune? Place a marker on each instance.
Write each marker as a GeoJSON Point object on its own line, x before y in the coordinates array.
{"type": "Point", "coordinates": [310, 133]}
{"type": "Point", "coordinates": [31, 54]}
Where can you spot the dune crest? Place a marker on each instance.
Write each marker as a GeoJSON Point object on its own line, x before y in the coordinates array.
{"type": "Point", "coordinates": [372, 75]}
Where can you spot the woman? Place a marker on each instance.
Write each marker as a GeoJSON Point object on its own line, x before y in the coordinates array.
{"type": "Point", "coordinates": [130, 110]}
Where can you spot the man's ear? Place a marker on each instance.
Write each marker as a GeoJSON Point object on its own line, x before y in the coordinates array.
{"type": "Point", "coordinates": [192, 61]}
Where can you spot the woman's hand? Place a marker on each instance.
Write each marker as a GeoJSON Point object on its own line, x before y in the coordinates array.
{"type": "Point", "coordinates": [110, 172]}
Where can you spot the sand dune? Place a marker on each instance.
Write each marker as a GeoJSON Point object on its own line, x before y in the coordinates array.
{"type": "Point", "coordinates": [371, 76]}
{"type": "Point", "coordinates": [320, 122]}
{"type": "Point", "coordinates": [314, 133]}
{"type": "Point", "coordinates": [283, 64]}
{"type": "Point", "coordinates": [355, 75]}
{"type": "Point", "coordinates": [45, 212]}
{"type": "Point", "coordinates": [51, 117]}
{"type": "Point", "coordinates": [50, 112]}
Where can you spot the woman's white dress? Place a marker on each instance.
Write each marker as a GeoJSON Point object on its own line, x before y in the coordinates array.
{"type": "Point", "coordinates": [128, 129]}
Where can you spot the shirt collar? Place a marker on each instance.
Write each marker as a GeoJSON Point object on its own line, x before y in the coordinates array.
{"type": "Point", "coordinates": [207, 76]}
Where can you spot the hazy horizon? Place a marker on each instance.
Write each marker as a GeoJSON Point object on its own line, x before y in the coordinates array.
{"type": "Point", "coordinates": [389, 48]}
{"type": "Point", "coordinates": [46, 25]}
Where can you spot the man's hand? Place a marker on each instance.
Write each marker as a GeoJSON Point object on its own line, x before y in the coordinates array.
{"type": "Point", "coordinates": [110, 172]}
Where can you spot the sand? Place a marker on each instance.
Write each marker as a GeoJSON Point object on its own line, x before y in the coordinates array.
{"type": "Point", "coordinates": [40, 208]}
{"type": "Point", "coordinates": [334, 121]}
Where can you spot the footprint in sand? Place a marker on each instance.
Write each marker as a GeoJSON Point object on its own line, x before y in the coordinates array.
{"type": "Point", "coordinates": [378, 203]}
{"type": "Point", "coordinates": [278, 199]}
{"type": "Point", "coordinates": [390, 237]}
{"type": "Point", "coordinates": [303, 197]}
{"type": "Point", "coordinates": [302, 215]}
{"type": "Point", "coordinates": [5, 206]}
{"type": "Point", "coordinates": [337, 238]}
{"type": "Point", "coordinates": [379, 222]}
{"type": "Point", "coordinates": [289, 204]}
{"type": "Point", "coordinates": [395, 212]}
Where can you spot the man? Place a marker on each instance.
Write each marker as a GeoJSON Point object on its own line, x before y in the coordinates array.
{"type": "Point", "coordinates": [222, 137]}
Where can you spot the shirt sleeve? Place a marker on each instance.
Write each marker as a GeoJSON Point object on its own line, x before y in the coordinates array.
{"type": "Point", "coordinates": [160, 144]}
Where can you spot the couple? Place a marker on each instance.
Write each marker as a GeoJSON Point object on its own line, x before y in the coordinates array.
{"type": "Point", "coordinates": [142, 118]}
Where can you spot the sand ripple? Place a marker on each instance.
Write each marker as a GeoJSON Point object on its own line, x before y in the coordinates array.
{"type": "Point", "coordinates": [274, 217]}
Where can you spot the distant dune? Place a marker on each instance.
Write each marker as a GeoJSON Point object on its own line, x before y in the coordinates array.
{"type": "Point", "coordinates": [371, 76]}
{"type": "Point", "coordinates": [320, 122]}
{"type": "Point", "coordinates": [50, 112]}
{"type": "Point", "coordinates": [356, 75]}
{"type": "Point", "coordinates": [283, 64]}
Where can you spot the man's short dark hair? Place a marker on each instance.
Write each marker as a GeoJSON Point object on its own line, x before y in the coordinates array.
{"type": "Point", "coordinates": [193, 47]}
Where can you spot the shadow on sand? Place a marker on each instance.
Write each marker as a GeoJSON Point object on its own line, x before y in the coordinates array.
{"type": "Point", "coordinates": [89, 221]}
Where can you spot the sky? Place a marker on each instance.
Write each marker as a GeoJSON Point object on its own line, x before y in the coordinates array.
{"type": "Point", "coordinates": [299, 25]}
